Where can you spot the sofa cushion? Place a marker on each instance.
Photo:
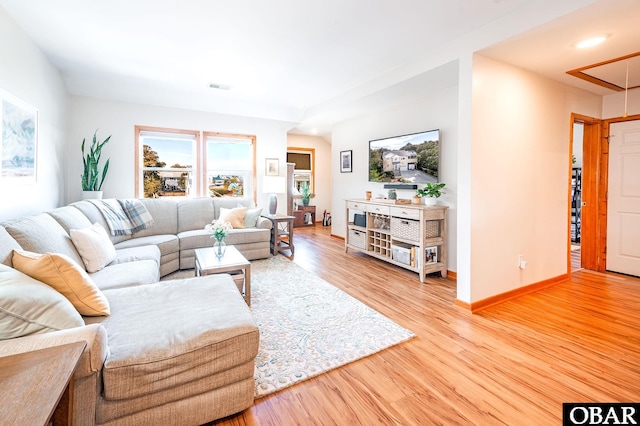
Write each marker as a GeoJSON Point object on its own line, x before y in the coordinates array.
{"type": "Point", "coordinates": [65, 276]}
{"type": "Point", "coordinates": [231, 202]}
{"type": "Point", "coordinates": [194, 213]}
{"type": "Point", "coordinates": [133, 254]}
{"type": "Point", "coordinates": [128, 274]}
{"type": "Point", "coordinates": [7, 245]}
{"type": "Point", "coordinates": [28, 306]}
{"type": "Point", "coordinates": [42, 234]}
{"type": "Point", "coordinates": [165, 215]}
{"type": "Point", "coordinates": [94, 246]}
{"type": "Point", "coordinates": [70, 217]}
{"type": "Point", "coordinates": [234, 216]}
{"type": "Point", "coordinates": [210, 330]}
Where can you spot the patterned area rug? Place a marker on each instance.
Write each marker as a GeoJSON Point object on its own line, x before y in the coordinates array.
{"type": "Point", "coordinates": [307, 326]}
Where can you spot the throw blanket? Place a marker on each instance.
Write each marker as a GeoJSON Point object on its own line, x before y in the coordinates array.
{"type": "Point", "coordinates": [124, 217]}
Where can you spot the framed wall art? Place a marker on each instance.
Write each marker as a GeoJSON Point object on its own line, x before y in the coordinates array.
{"type": "Point", "coordinates": [272, 167]}
{"type": "Point", "coordinates": [19, 138]}
{"type": "Point", "coordinates": [346, 165]}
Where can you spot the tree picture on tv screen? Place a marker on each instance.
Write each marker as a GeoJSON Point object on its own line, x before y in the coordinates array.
{"type": "Point", "coordinates": [413, 158]}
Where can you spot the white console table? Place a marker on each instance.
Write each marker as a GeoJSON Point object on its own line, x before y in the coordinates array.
{"type": "Point", "coordinates": [408, 235]}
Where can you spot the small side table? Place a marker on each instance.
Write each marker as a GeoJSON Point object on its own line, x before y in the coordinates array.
{"type": "Point", "coordinates": [37, 387]}
{"type": "Point", "coordinates": [281, 233]}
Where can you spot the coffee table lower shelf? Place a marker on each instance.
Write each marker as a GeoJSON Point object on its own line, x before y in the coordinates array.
{"type": "Point", "coordinates": [233, 263]}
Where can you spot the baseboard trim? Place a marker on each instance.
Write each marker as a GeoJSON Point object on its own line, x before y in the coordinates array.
{"type": "Point", "coordinates": [479, 305]}
{"type": "Point", "coordinates": [452, 275]}
{"type": "Point", "coordinates": [337, 236]}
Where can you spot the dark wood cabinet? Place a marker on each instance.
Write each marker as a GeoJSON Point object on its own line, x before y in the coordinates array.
{"type": "Point", "coordinates": [304, 216]}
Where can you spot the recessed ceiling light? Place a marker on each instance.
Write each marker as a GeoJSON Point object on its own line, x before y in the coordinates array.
{"type": "Point", "coordinates": [590, 42]}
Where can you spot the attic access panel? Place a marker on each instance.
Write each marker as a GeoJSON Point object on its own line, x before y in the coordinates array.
{"type": "Point", "coordinates": [612, 74]}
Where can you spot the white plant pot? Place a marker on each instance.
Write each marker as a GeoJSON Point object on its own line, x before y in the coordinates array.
{"type": "Point", "coordinates": [430, 201]}
{"type": "Point", "coordinates": [92, 195]}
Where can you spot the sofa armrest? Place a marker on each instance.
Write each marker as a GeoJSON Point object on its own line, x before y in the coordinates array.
{"type": "Point", "coordinates": [263, 223]}
{"type": "Point", "coordinates": [92, 358]}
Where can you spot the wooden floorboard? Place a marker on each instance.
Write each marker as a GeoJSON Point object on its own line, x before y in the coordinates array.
{"type": "Point", "coordinates": [512, 364]}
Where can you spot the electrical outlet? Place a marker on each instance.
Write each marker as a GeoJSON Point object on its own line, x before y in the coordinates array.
{"type": "Point", "coordinates": [522, 264]}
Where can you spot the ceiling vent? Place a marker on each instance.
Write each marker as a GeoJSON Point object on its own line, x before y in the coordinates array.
{"type": "Point", "coordinates": [219, 86]}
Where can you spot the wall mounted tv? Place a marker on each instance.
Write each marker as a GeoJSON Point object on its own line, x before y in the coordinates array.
{"type": "Point", "coordinates": [407, 159]}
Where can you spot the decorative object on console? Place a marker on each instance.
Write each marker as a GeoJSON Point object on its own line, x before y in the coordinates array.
{"type": "Point", "coordinates": [92, 180]}
{"type": "Point", "coordinates": [431, 192]}
{"type": "Point", "coordinates": [273, 185]}
{"type": "Point", "coordinates": [346, 165]}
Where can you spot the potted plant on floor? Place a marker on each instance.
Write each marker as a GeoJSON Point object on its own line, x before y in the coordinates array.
{"type": "Point", "coordinates": [92, 179]}
{"type": "Point", "coordinates": [431, 192]}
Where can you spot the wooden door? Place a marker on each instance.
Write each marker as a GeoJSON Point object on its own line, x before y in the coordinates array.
{"type": "Point", "coordinates": [623, 210]}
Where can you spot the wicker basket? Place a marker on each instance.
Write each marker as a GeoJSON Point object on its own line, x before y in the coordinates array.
{"type": "Point", "coordinates": [406, 229]}
{"type": "Point", "coordinates": [357, 238]}
{"type": "Point", "coordinates": [432, 229]}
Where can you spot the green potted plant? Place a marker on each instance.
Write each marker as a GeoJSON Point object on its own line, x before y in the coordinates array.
{"type": "Point", "coordinates": [92, 179]}
{"type": "Point", "coordinates": [305, 192]}
{"type": "Point", "coordinates": [431, 192]}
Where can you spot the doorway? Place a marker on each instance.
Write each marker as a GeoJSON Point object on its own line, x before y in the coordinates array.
{"type": "Point", "coordinates": [584, 208]}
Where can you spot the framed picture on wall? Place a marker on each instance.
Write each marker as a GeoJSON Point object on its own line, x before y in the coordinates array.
{"type": "Point", "coordinates": [272, 167]}
{"type": "Point", "coordinates": [346, 165]}
{"type": "Point", "coordinates": [19, 138]}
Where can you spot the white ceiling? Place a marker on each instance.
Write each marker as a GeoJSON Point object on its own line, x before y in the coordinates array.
{"type": "Point", "coordinates": [311, 63]}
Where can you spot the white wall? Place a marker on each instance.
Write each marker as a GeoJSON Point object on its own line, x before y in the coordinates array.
{"type": "Point", "coordinates": [27, 74]}
{"type": "Point", "coordinates": [119, 118]}
{"type": "Point", "coordinates": [613, 105]}
{"type": "Point", "coordinates": [322, 190]}
{"type": "Point", "coordinates": [436, 111]}
{"type": "Point", "coordinates": [520, 176]}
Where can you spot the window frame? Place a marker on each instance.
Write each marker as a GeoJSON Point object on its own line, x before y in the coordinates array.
{"type": "Point", "coordinates": [205, 136]}
{"type": "Point", "coordinates": [200, 166]}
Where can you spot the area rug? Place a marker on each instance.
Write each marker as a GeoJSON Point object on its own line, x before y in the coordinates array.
{"type": "Point", "coordinates": [307, 326]}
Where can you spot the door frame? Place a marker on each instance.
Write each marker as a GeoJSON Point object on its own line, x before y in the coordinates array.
{"type": "Point", "coordinates": [590, 208]}
{"type": "Point", "coordinates": [595, 179]}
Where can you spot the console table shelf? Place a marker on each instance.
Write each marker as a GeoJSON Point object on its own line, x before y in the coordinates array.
{"type": "Point", "coordinates": [413, 237]}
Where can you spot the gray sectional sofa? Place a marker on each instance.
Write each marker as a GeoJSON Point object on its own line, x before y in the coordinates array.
{"type": "Point", "coordinates": [171, 352]}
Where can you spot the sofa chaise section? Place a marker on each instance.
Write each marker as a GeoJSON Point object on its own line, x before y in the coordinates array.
{"type": "Point", "coordinates": [199, 362]}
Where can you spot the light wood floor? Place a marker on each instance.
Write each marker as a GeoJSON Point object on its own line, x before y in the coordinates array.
{"type": "Point", "coordinates": [513, 364]}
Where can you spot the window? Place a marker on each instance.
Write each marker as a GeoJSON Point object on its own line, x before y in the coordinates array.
{"type": "Point", "coordinates": [173, 162]}
{"type": "Point", "coordinates": [230, 165]}
{"type": "Point", "coordinates": [303, 171]}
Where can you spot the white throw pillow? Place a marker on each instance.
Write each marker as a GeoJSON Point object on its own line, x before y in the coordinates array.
{"type": "Point", "coordinates": [251, 217]}
{"type": "Point", "coordinates": [94, 246]}
{"type": "Point", "coordinates": [28, 306]}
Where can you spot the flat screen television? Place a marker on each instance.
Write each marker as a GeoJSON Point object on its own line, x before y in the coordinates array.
{"type": "Point", "coordinates": [407, 159]}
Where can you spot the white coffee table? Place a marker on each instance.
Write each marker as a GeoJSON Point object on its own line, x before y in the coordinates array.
{"type": "Point", "coordinates": [233, 262]}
